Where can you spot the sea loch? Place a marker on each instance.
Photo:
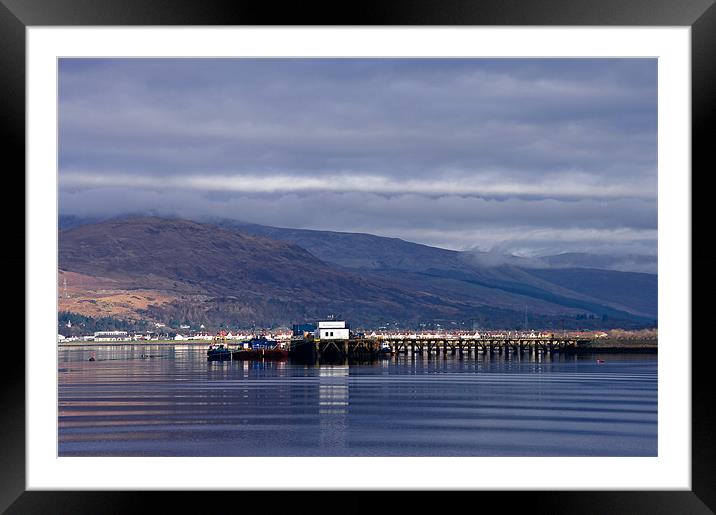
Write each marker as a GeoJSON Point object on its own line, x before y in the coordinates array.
{"type": "Point", "coordinates": [143, 400]}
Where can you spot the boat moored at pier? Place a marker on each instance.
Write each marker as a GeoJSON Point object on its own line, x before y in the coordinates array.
{"type": "Point", "coordinates": [219, 349]}
{"type": "Point", "coordinates": [218, 352]}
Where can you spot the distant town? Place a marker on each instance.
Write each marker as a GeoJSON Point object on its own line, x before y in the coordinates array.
{"type": "Point", "coordinates": [283, 335]}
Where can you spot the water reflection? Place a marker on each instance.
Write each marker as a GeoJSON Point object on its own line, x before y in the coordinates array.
{"type": "Point", "coordinates": [333, 388]}
{"type": "Point", "coordinates": [180, 404]}
{"type": "Point", "coordinates": [333, 406]}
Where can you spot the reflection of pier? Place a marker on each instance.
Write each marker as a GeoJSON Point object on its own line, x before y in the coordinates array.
{"type": "Point", "coordinates": [333, 389]}
{"type": "Point", "coordinates": [360, 348]}
{"type": "Point", "coordinates": [333, 401]}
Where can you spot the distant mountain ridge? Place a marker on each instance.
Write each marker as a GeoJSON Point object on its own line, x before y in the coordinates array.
{"type": "Point", "coordinates": [246, 273]}
{"type": "Point", "coordinates": [625, 263]}
{"type": "Point", "coordinates": [399, 260]}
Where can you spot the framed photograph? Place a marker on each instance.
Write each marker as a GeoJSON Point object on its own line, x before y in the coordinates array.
{"type": "Point", "coordinates": [422, 249]}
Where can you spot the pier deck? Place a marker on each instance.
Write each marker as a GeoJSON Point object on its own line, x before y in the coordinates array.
{"type": "Point", "coordinates": [433, 346]}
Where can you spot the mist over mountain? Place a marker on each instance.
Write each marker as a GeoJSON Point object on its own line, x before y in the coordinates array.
{"type": "Point", "coordinates": [625, 263]}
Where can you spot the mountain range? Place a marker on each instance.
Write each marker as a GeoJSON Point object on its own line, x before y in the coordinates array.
{"type": "Point", "coordinates": [246, 274]}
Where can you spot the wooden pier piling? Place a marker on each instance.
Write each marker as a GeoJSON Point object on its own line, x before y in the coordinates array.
{"type": "Point", "coordinates": [363, 348]}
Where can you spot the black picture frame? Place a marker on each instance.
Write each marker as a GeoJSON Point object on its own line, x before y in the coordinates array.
{"type": "Point", "coordinates": [700, 15]}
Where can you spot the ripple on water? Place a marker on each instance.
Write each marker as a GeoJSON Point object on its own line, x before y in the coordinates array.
{"type": "Point", "coordinates": [179, 404]}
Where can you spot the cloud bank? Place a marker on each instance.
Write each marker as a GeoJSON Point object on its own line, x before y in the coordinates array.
{"type": "Point", "coordinates": [531, 156]}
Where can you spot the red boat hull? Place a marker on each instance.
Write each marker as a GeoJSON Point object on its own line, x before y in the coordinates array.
{"type": "Point", "coordinates": [273, 354]}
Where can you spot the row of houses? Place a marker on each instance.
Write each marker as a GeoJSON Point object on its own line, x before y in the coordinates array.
{"type": "Point", "coordinates": [125, 336]}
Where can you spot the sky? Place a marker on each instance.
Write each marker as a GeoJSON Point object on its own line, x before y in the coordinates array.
{"type": "Point", "coordinates": [520, 156]}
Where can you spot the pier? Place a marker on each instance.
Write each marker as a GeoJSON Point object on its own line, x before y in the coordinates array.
{"type": "Point", "coordinates": [431, 347]}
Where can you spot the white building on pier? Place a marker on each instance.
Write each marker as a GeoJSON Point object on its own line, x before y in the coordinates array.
{"type": "Point", "coordinates": [332, 330]}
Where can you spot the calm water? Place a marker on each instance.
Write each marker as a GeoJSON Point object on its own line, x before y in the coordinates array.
{"type": "Point", "coordinates": [176, 403]}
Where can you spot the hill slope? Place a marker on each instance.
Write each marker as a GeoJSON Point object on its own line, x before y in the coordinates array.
{"type": "Point", "coordinates": [206, 273]}
{"type": "Point", "coordinates": [598, 291]}
{"type": "Point", "coordinates": [217, 274]}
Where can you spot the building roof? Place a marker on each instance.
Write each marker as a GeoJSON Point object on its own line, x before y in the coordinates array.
{"type": "Point", "coordinates": [332, 324]}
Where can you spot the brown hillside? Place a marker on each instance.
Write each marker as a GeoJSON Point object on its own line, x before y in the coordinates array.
{"type": "Point", "coordinates": [242, 277]}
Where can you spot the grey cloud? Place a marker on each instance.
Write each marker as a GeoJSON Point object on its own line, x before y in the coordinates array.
{"type": "Point", "coordinates": [449, 221]}
{"type": "Point", "coordinates": [533, 145]}
{"type": "Point", "coordinates": [398, 124]}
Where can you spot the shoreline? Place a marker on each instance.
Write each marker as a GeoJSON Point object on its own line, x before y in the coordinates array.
{"type": "Point", "coordinates": [636, 347]}
{"type": "Point", "coordinates": [145, 342]}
